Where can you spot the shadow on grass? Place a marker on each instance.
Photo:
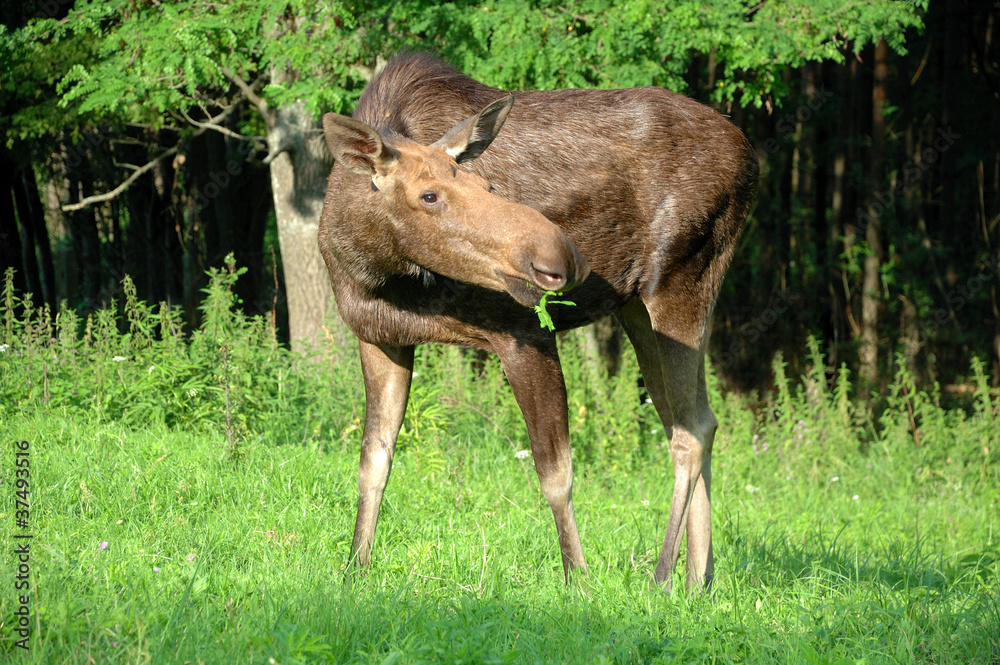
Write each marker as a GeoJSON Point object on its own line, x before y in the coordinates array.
{"type": "Point", "coordinates": [897, 593]}
{"type": "Point", "coordinates": [416, 624]}
{"type": "Point", "coordinates": [773, 559]}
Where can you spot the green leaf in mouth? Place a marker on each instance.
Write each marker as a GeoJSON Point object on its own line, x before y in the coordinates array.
{"type": "Point", "coordinates": [544, 319]}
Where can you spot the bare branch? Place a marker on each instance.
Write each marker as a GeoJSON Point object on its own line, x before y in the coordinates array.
{"type": "Point", "coordinates": [143, 125]}
{"type": "Point", "coordinates": [107, 196]}
{"type": "Point", "coordinates": [128, 140]}
{"type": "Point", "coordinates": [247, 90]}
{"type": "Point", "coordinates": [209, 125]}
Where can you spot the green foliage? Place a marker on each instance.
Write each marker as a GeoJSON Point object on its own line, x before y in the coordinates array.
{"type": "Point", "coordinates": [837, 537]}
{"type": "Point", "coordinates": [152, 58]}
{"type": "Point", "coordinates": [136, 366]}
{"type": "Point", "coordinates": [141, 61]}
{"type": "Point", "coordinates": [614, 44]}
{"type": "Point", "coordinates": [31, 67]}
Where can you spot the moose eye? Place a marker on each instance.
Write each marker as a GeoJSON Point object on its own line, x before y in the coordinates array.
{"type": "Point", "coordinates": [429, 197]}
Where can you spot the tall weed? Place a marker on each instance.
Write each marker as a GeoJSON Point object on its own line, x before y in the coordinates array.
{"type": "Point", "coordinates": [230, 377]}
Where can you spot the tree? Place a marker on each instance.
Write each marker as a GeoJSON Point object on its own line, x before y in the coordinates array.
{"type": "Point", "coordinates": [290, 59]}
{"type": "Point", "coordinates": [163, 97]}
{"type": "Point", "coordinates": [871, 282]}
{"type": "Point", "coordinates": [190, 67]}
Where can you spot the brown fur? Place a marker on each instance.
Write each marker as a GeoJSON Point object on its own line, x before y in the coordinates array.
{"type": "Point", "coordinates": [650, 187]}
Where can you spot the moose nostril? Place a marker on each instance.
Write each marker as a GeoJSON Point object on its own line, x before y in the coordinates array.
{"type": "Point", "coordinates": [550, 281]}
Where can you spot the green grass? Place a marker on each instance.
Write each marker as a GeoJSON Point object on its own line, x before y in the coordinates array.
{"type": "Point", "coordinates": [228, 528]}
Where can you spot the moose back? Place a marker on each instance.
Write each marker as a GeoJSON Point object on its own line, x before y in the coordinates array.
{"type": "Point", "coordinates": [439, 227]}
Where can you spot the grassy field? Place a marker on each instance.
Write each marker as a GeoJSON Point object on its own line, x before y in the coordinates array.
{"type": "Point", "coordinates": [192, 501]}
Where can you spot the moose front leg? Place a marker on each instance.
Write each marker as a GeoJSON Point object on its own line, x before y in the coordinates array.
{"type": "Point", "coordinates": [536, 378]}
{"type": "Point", "coordinates": [387, 372]}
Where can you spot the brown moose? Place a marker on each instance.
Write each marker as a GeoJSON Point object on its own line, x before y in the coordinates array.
{"type": "Point", "coordinates": [634, 199]}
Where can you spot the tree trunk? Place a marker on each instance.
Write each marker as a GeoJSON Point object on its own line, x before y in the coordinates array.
{"type": "Point", "coordinates": [24, 227]}
{"type": "Point", "coordinates": [603, 343]}
{"type": "Point", "coordinates": [298, 184]}
{"type": "Point", "coordinates": [838, 219]}
{"type": "Point", "coordinates": [29, 206]}
{"type": "Point", "coordinates": [10, 236]}
{"type": "Point", "coordinates": [871, 278]}
{"type": "Point", "coordinates": [153, 237]}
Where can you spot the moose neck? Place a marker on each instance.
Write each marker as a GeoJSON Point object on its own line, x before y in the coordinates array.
{"type": "Point", "coordinates": [365, 253]}
{"type": "Point", "coordinates": [421, 98]}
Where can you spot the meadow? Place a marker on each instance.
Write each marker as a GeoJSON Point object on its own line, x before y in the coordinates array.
{"type": "Point", "coordinates": [192, 500]}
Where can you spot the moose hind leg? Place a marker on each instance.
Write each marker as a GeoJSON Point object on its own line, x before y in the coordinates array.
{"type": "Point", "coordinates": [634, 319]}
{"type": "Point", "coordinates": [666, 371]}
{"type": "Point", "coordinates": [536, 378]}
{"type": "Point", "coordinates": [387, 373]}
{"type": "Point", "coordinates": [671, 359]}
{"type": "Point", "coordinates": [691, 452]}
{"type": "Point", "coordinates": [700, 559]}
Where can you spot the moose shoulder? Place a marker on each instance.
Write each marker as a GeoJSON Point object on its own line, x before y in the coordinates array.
{"type": "Point", "coordinates": [439, 227]}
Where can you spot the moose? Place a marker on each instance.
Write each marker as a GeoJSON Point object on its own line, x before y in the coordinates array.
{"type": "Point", "coordinates": [439, 227]}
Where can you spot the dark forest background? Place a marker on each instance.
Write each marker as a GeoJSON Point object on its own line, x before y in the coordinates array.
{"type": "Point", "coordinates": [877, 226]}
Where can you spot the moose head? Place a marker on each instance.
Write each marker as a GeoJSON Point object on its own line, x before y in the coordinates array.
{"type": "Point", "coordinates": [446, 219]}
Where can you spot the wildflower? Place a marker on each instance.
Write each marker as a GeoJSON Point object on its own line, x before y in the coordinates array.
{"type": "Point", "coordinates": [764, 447]}
{"type": "Point", "coordinates": [755, 451]}
{"type": "Point", "coordinates": [155, 569]}
{"type": "Point", "coordinates": [522, 454]}
{"type": "Point", "coordinates": [119, 359]}
{"type": "Point", "coordinates": [193, 392]}
{"type": "Point", "coordinates": [835, 479]}
{"type": "Point", "coordinates": [190, 557]}
{"type": "Point", "coordinates": [4, 347]}
{"type": "Point", "coordinates": [854, 498]}
{"type": "Point", "coordinates": [104, 546]}
{"type": "Point", "coordinates": [645, 502]}
{"type": "Point", "coordinates": [755, 437]}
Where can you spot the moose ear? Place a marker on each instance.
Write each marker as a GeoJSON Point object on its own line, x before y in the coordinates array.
{"type": "Point", "coordinates": [356, 145]}
{"type": "Point", "coordinates": [472, 136]}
